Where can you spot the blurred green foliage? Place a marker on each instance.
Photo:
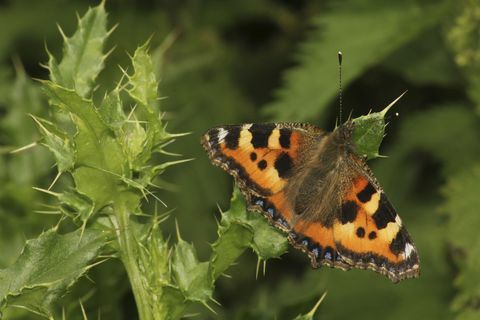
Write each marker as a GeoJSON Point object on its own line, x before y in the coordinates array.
{"type": "Point", "coordinates": [250, 61]}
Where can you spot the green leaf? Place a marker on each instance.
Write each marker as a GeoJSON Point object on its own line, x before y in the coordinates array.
{"type": "Point", "coordinates": [368, 132]}
{"type": "Point", "coordinates": [240, 229]}
{"type": "Point", "coordinates": [366, 32]}
{"type": "Point", "coordinates": [100, 161]}
{"type": "Point", "coordinates": [193, 277]}
{"type": "Point", "coordinates": [47, 267]}
{"type": "Point", "coordinates": [143, 86]}
{"type": "Point", "coordinates": [58, 143]}
{"type": "Point", "coordinates": [76, 206]}
{"type": "Point", "coordinates": [111, 110]}
{"type": "Point", "coordinates": [462, 203]}
{"type": "Point", "coordinates": [143, 82]}
{"type": "Point", "coordinates": [83, 56]}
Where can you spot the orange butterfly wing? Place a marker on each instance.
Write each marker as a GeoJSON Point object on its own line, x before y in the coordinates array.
{"type": "Point", "coordinates": [369, 233]}
{"type": "Point", "coordinates": [366, 231]}
{"type": "Point", "coordinates": [262, 158]}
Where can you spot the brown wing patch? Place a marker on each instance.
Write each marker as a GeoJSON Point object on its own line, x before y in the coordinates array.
{"type": "Point", "coordinates": [369, 233]}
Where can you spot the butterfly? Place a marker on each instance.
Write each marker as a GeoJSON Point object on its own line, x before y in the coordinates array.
{"type": "Point", "coordinates": [312, 185]}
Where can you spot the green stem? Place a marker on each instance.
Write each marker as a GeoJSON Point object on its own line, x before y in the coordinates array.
{"type": "Point", "coordinates": [129, 254]}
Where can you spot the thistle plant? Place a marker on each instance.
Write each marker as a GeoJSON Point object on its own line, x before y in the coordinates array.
{"type": "Point", "coordinates": [108, 154]}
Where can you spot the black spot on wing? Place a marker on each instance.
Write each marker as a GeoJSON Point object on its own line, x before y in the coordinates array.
{"type": "Point", "coordinates": [232, 137]}
{"type": "Point", "coordinates": [397, 245]}
{"type": "Point", "coordinates": [284, 139]}
{"type": "Point", "coordinates": [349, 212]}
{"type": "Point", "coordinates": [366, 194]}
{"type": "Point", "coordinates": [239, 171]}
{"type": "Point", "coordinates": [262, 164]}
{"type": "Point", "coordinates": [385, 213]}
{"type": "Point", "coordinates": [360, 232]}
{"type": "Point", "coordinates": [260, 134]}
{"type": "Point", "coordinates": [253, 156]}
{"type": "Point", "coordinates": [283, 165]}
{"type": "Point", "coordinates": [372, 235]}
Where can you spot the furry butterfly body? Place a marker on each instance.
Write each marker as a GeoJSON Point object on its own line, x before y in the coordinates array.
{"type": "Point", "coordinates": [311, 184]}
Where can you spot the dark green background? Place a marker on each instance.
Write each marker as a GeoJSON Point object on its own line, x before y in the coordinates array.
{"type": "Point", "coordinates": [275, 60]}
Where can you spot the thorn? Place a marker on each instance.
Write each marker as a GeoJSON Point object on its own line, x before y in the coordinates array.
{"type": "Point", "coordinates": [48, 212]}
{"type": "Point", "coordinates": [190, 315]}
{"type": "Point", "coordinates": [315, 307]}
{"type": "Point", "coordinates": [109, 32]}
{"type": "Point", "coordinates": [28, 146]}
{"type": "Point", "coordinates": [176, 135]}
{"type": "Point", "coordinates": [258, 267]}
{"type": "Point", "coordinates": [65, 38]}
{"type": "Point", "coordinates": [83, 310]}
{"type": "Point", "coordinates": [384, 111]}
{"type": "Point", "coordinates": [55, 194]}
{"type": "Point", "coordinates": [131, 112]}
{"type": "Point", "coordinates": [208, 307]}
{"type": "Point", "coordinates": [215, 301]}
{"type": "Point", "coordinates": [264, 267]}
{"type": "Point", "coordinates": [89, 278]}
{"type": "Point", "coordinates": [178, 230]}
{"type": "Point", "coordinates": [55, 180]}
{"type": "Point", "coordinates": [106, 55]}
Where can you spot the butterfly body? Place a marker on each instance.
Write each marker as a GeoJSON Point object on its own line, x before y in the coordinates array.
{"type": "Point", "coordinates": [311, 184]}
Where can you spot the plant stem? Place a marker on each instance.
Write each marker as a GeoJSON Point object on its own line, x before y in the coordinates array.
{"type": "Point", "coordinates": [129, 254]}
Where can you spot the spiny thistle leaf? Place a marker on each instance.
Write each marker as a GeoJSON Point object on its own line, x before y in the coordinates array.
{"type": "Point", "coordinates": [111, 110]}
{"type": "Point", "coordinates": [240, 229]}
{"type": "Point", "coordinates": [100, 160]}
{"type": "Point", "coordinates": [192, 277]}
{"type": "Point", "coordinates": [83, 56]}
{"type": "Point", "coordinates": [369, 130]}
{"type": "Point", "coordinates": [58, 143]}
{"type": "Point", "coordinates": [76, 206]}
{"type": "Point", "coordinates": [143, 82]}
{"type": "Point", "coordinates": [47, 267]}
{"type": "Point", "coordinates": [143, 87]}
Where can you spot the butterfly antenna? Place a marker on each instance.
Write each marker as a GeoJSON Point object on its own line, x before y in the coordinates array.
{"type": "Point", "coordinates": [340, 56]}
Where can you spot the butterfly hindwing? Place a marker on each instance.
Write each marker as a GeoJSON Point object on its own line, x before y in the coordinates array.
{"type": "Point", "coordinates": [369, 233]}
